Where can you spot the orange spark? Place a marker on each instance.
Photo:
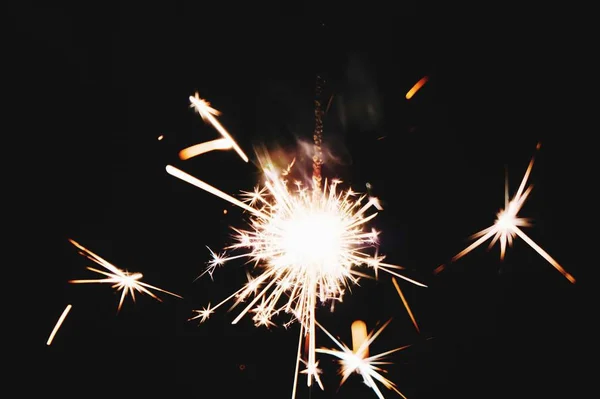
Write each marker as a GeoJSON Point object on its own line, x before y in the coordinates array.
{"type": "Point", "coordinates": [359, 336]}
{"type": "Point", "coordinates": [508, 225]}
{"type": "Point", "coordinates": [439, 269]}
{"type": "Point", "coordinates": [410, 313]}
{"type": "Point", "coordinates": [198, 149]}
{"type": "Point", "coordinates": [58, 324]}
{"type": "Point", "coordinates": [416, 87]}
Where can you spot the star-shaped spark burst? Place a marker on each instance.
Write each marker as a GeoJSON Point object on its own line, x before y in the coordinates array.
{"type": "Point", "coordinates": [358, 360]}
{"type": "Point", "coordinates": [508, 223]}
{"type": "Point", "coordinates": [122, 280]}
{"type": "Point", "coordinates": [307, 246]}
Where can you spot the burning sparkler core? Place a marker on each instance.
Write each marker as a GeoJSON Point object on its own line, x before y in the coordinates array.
{"type": "Point", "coordinates": [307, 245]}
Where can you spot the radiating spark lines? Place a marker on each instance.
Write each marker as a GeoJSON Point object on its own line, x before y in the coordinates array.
{"type": "Point", "coordinates": [206, 112]}
{"type": "Point", "coordinates": [306, 246]}
{"type": "Point", "coordinates": [306, 250]}
{"type": "Point", "coordinates": [358, 360]}
{"type": "Point", "coordinates": [122, 280]}
{"type": "Point", "coordinates": [508, 223]}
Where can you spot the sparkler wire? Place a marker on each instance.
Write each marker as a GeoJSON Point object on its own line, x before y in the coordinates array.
{"type": "Point", "coordinates": [318, 136]}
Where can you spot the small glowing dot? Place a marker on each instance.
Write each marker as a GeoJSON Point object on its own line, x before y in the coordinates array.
{"type": "Point", "coordinates": [160, 137]}
{"type": "Point", "coordinates": [224, 211]}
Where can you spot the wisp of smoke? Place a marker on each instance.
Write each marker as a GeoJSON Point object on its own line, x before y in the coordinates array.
{"type": "Point", "coordinates": [358, 106]}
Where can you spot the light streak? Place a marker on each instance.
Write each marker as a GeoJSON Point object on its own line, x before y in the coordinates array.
{"type": "Point", "coordinates": [416, 87]}
{"type": "Point", "coordinates": [507, 226]}
{"type": "Point", "coordinates": [61, 319]}
{"type": "Point", "coordinates": [439, 269]}
{"type": "Point", "coordinates": [358, 360]}
{"type": "Point", "coordinates": [122, 280]}
{"type": "Point", "coordinates": [206, 112]}
{"type": "Point", "coordinates": [198, 149]}
{"type": "Point", "coordinates": [410, 313]}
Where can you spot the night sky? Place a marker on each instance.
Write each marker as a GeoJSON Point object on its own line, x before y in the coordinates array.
{"type": "Point", "coordinates": [96, 87]}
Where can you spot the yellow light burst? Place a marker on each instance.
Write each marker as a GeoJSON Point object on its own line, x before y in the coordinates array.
{"type": "Point", "coordinates": [508, 223]}
{"type": "Point", "coordinates": [306, 243]}
{"type": "Point", "coordinates": [122, 280]}
{"type": "Point", "coordinates": [358, 360]}
{"type": "Point", "coordinates": [307, 247]}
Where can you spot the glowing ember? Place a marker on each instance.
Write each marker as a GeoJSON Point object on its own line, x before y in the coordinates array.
{"type": "Point", "coordinates": [307, 247]}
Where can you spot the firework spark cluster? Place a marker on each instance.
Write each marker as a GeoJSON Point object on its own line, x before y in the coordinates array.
{"type": "Point", "coordinates": [307, 243]}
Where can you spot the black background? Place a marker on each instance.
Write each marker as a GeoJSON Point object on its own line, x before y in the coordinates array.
{"type": "Point", "coordinates": [97, 86]}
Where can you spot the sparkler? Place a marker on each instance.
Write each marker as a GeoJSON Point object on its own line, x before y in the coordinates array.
{"type": "Point", "coordinates": [508, 223]}
{"type": "Point", "coordinates": [207, 113]}
{"type": "Point", "coordinates": [358, 360]}
{"type": "Point", "coordinates": [122, 280]}
{"type": "Point", "coordinates": [307, 246]}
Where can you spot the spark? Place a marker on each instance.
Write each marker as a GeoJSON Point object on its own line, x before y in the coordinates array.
{"type": "Point", "coordinates": [198, 149]}
{"type": "Point", "coordinates": [439, 269]}
{"type": "Point", "coordinates": [508, 225]}
{"type": "Point", "coordinates": [358, 360]}
{"type": "Point", "coordinates": [207, 113]}
{"type": "Point", "coordinates": [61, 319]}
{"type": "Point", "coordinates": [122, 280]}
{"type": "Point", "coordinates": [203, 314]}
{"type": "Point", "coordinates": [160, 137]}
{"type": "Point", "coordinates": [405, 303]}
{"type": "Point", "coordinates": [306, 247]}
{"type": "Point", "coordinates": [216, 261]}
{"type": "Point", "coordinates": [416, 87]}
